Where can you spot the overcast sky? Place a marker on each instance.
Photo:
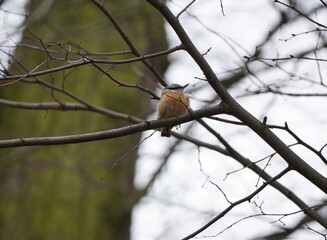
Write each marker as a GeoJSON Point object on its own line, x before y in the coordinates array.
{"type": "Point", "coordinates": [183, 199]}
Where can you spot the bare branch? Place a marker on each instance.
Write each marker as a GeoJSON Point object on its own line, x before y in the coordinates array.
{"type": "Point", "coordinates": [319, 70]}
{"type": "Point", "coordinates": [73, 56]}
{"type": "Point", "coordinates": [300, 141]}
{"type": "Point", "coordinates": [284, 93]}
{"type": "Point", "coordinates": [28, 74]}
{"type": "Point", "coordinates": [247, 198]}
{"type": "Point", "coordinates": [114, 133]}
{"type": "Point", "coordinates": [126, 154]}
{"type": "Point", "coordinates": [120, 83]}
{"type": "Point", "coordinates": [222, 7]}
{"type": "Point", "coordinates": [163, 163]}
{"type": "Point", "coordinates": [222, 192]}
{"type": "Point", "coordinates": [302, 14]}
{"type": "Point", "coordinates": [259, 171]}
{"type": "Point", "coordinates": [291, 57]}
{"type": "Point", "coordinates": [184, 9]}
{"type": "Point", "coordinates": [64, 106]}
{"type": "Point", "coordinates": [288, 231]}
{"type": "Point", "coordinates": [293, 35]}
{"type": "Point", "coordinates": [128, 41]}
{"type": "Point", "coordinates": [71, 52]}
{"type": "Point", "coordinates": [237, 110]}
{"type": "Point", "coordinates": [85, 61]}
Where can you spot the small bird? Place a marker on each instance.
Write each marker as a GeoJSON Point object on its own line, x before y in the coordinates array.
{"type": "Point", "coordinates": [173, 103]}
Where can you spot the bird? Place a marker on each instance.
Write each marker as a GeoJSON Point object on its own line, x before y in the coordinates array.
{"type": "Point", "coordinates": [173, 103]}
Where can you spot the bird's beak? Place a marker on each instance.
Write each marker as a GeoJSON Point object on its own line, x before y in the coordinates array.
{"type": "Point", "coordinates": [185, 85]}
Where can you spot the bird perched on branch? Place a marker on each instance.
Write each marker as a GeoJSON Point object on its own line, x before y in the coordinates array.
{"type": "Point", "coordinates": [173, 103]}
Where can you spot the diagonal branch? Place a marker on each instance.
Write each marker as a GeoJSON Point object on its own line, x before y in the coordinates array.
{"type": "Point", "coordinates": [230, 207]}
{"type": "Point", "coordinates": [124, 36]}
{"type": "Point", "coordinates": [128, 85]}
{"type": "Point", "coordinates": [301, 13]}
{"type": "Point", "coordinates": [236, 109]}
{"type": "Point", "coordinates": [231, 152]}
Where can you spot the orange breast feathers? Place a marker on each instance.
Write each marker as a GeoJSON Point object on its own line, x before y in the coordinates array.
{"type": "Point", "coordinates": [172, 104]}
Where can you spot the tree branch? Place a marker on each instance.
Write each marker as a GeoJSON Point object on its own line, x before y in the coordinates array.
{"type": "Point", "coordinates": [85, 61]}
{"type": "Point", "coordinates": [124, 36]}
{"type": "Point", "coordinates": [302, 14]}
{"type": "Point", "coordinates": [65, 106]}
{"type": "Point", "coordinates": [114, 133]}
{"type": "Point", "coordinates": [237, 110]}
{"type": "Point", "coordinates": [231, 152]}
{"type": "Point", "coordinates": [247, 198]}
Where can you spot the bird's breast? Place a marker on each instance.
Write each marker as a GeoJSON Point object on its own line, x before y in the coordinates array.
{"type": "Point", "coordinates": [172, 105]}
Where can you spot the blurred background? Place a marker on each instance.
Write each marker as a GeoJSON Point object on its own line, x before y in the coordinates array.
{"type": "Point", "coordinates": [271, 58]}
{"type": "Point", "coordinates": [56, 192]}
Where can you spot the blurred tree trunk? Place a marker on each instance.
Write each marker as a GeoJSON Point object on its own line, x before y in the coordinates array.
{"type": "Point", "coordinates": [56, 192]}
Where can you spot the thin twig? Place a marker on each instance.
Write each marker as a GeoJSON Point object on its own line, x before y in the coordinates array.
{"type": "Point", "coordinates": [230, 207]}
{"type": "Point", "coordinates": [222, 7]}
{"type": "Point", "coordinates": [66, 106]}
{"type": "Point", "coordinates": [184, 9]}
{"type": "Point", "coordinates": [85, 61]}
{"type": "Point", "coordinates": [126, 154]}
{"type": "Point", "coordinates": [130, 44]}
{"type": "Point", "coordinates": [129, 85]}
{"type": "Point", "coordinates": [302, 14]}
{"type": "Point", "coordinates": [24, 76]}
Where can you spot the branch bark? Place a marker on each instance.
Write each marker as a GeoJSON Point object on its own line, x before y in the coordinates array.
{"type": "Point", "coordinates": [237, 110]}
{"type": "Point", "coordinates": [114, 133]}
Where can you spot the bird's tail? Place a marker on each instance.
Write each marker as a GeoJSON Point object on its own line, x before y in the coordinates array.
{"type": "Point", "coordinates": [166, 132]}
